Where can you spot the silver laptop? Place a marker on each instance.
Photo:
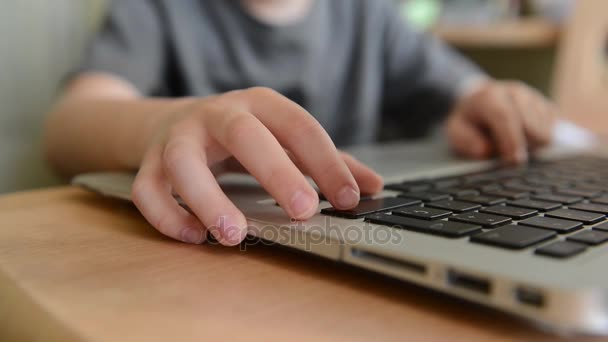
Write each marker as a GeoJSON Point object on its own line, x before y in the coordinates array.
{"type": "Point", "coordinates": [531, 241]}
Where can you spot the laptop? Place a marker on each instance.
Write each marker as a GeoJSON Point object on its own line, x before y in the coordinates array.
{"type": "Point", "coordinates": [531, 240]}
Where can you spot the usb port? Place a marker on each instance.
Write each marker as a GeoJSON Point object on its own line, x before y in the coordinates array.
{"type": "Point", "coordinates": [468, 282]}
{"type": "Point", "coordinates": [529, 296]}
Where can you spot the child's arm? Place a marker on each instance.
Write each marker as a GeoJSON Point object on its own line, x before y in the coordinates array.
{"type": "Point", "coordinates": [103, 123]}
{"type": "Point", "coordinates": [427, 81]}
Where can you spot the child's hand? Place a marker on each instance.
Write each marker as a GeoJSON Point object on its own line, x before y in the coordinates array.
{"type": "Point", "coordinates": [254, 127]}
{"type": "Point", "coordinates": [503, 118]}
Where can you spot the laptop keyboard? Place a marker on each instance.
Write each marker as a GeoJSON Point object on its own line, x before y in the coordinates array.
{"type": "Point", "coordinates": [555, 208]}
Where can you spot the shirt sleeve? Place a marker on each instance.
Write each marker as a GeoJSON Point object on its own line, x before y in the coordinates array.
{"type": "Point", "coordinates": [423, 77]}
{"type": "Point", "coordinates": [130, 44]}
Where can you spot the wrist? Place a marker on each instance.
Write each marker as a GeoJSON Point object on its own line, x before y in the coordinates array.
{"type": "Point", "coordinates": [146, 128]}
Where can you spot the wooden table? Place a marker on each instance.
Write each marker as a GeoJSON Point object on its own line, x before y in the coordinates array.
{"type": "Point", "coordinates": [74, 266]}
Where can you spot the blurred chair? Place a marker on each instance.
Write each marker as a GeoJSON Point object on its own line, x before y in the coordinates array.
{"type": "Point", "coordinates": [40, 41]}
{"type": "Point", "coordinates": [581, 83]}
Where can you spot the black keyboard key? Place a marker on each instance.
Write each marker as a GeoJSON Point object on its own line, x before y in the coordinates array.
{"type": "Point", "coordinates": [513, 237]}
{"type": "Point", "coordinates": [392, 186]}
{"type": "Point", "coordinates": [561, 249]}
{"type": "Point", "coordinates": [537, 189]}
{"type": "Point", "coordinates": [483, 200]}
{"type": "Point", "coordinates": [480, 178]}
{"type": "Point", "coordinates": [490, 187]}
{"type": "Point", "coordinates": [577, 192]}
{"type": "Point", "coordinates": [537, 181]}
{"type": "Point", "coordinates": [592, 207]}
{"type": "Point", "coordinates": [458, 192]}
{"type": "Point", "coordinates": [566, 179]}
{"type": "Point", "coordinates": [590, 237]}
{"type": "Point", "coordinates": [534, 204]}
{"type": "Point", "coordinates": [549, 182]}
{"type": "Point", "coordinates": [602, 187]}
{"type": "Point", "coordinates": [600, 200]}
{"type": "Point", "coordinates": [456, 206]}
{"type": "Point", "coordinates": [446, 183]}
{"type": "Point", "coordinates": [557, 225]}
{"type": "Point", "coordinates": [409, 187]}
{"type": "Point", "coordinates": [425, 196]}
{"type": "Point", "coordinates": [602, 227]}
{"type": "Point", "coordinates": [323, 198]}
{"type": "Point", "coordinates": [424, 213]}
{"type": "Point", "coordinates": [507, 173]}
{"type": "Point", "coordinates": [577, 215]}
{"type": "Point", "coordinates": [563, 199]}
{"type": "Point", "coordinates": [371, 206]}
{"type": "Point", "coordinates": [484, 220]}
{"type": "Point", "coordinates": [512, 212]}
{"type": "Point", "coordinates": [510, 194]}
{"type": "Point", "coordinates": [443, 228]}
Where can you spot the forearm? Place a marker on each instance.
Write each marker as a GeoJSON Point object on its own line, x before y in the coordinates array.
{"type": "Point", "coordinates": [110, 131]}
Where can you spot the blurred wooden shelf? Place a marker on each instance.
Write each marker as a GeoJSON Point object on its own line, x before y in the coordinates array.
{"type": "Point", "coordinates": [521, 33]}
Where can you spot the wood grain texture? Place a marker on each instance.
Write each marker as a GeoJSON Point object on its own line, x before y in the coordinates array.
{"type": "Point", "coordinates": [75, 266]}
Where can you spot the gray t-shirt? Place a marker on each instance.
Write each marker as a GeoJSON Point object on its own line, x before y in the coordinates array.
{"type": "Point", "coordinates": [355, 65]}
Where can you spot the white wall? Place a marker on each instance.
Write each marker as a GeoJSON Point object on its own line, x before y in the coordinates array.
{"type": "Point", "coordinates": [40, 40]}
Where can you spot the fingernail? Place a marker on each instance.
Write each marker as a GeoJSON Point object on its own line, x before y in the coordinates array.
{"type": "Point", "coordinates": [347, 198]}
{"type": "Point", "coordinates": [192, 235]}
{"type": "Point", "coordinates": [231, 230]}
{"type": "Point", "coordinates": [302, 204]}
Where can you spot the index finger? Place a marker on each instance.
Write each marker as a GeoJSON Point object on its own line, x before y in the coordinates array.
{"type": "Point", "coordinates": [501, 117]}
{"type": "Point", "coordinates": [301, 134]}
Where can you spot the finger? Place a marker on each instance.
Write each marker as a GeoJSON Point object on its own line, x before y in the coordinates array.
{"type": "Point", "coordinates": [468, 139]}
{"type": "Point", "coordinates": [535, 114]}
{"type": "Point", "coordinates": [545, 120]}
{"type": "Point", "coordinates": [245, 137]}
{"type": "Point", "coordinates": [185, 166]}
{"type": "Point", "coordinates": [504, 123]}
{"type": "Point", "coordinates": [552, 114]}
{"type": "Point", "coordinates": [301, 134]}
{"type": "Point", "coordinates": [368, 180]}
{"type": "Point", "coordinates": [152, 195]}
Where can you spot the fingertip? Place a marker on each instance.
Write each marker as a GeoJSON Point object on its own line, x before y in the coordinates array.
{"type": "Point", "coordinates": [368, 180]}
{"type": "Point", "coordinates": [488, 149]}
{"type": "Point", "coordinates": [347, 198]}
{"type": "Point", "coordinates": [516, 158]}
{"type": "Point", "coordinates": [521, 156]}
{"type": "Point", "coordinates": [303, 205]}
{"type": "Point", "coordinates": [478, 150]}
{"type": "Point", "coordinates": [230, 230]}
